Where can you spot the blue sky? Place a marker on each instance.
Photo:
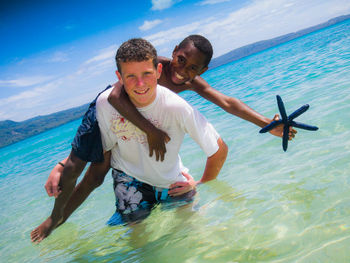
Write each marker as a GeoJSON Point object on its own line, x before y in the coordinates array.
{"type": "Point", "coordinates": [60, 54]}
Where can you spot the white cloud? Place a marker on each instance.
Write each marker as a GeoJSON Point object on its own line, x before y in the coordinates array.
{"type": "Point", "coordinates": [175, 33]}
{"type": "Point", "coordinates": [107, 53]}
{"type": "Point", "coordinates": [212, 2]}
{"type": "Point", "coordinates": [147, 25]}
{"type": "Point", "coordinates": [25, 81]}
{"type": "Point", "coordinates": [27, 104]}
{"type": "Point", "coordinates": [59, 56]}
{"type": "Point", "coordinates": [50, 94]}
{"type": "Point", "coordinates": [162, 4]}
{"type": "Point", "coordinates": [256, 21]}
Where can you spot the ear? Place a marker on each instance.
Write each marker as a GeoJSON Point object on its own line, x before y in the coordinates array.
{"type": "Point", "coordinates": [119, 77]}
{"type": "Point", "coordinates": [159, 70]}
{"type": "Point", "coordinates": [175, 50]}
{"type": "Point", "coordinates": [203, 70]}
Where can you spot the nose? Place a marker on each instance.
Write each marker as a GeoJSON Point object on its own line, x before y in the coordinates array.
{"type": "Point", "coordinates": [140, 82]}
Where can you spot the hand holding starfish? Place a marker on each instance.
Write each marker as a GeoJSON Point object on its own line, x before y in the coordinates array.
{"type": "Point", "coordinates": [288, 121]}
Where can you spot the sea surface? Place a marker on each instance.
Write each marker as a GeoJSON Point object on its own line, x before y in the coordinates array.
{"type": "Point", "coordinates": [267, 205]}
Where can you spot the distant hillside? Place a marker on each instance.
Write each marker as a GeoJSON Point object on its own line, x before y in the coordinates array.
{"type": "Point", "coordinates": [256, 47]}
{"type": "Point", "coordinates": [11, 131]}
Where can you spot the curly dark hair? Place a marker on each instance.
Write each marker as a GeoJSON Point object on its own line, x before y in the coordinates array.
{"type": "Point", "coordinates": [202, 44]}
{"type": "Point", "coordinates": [136, 50]}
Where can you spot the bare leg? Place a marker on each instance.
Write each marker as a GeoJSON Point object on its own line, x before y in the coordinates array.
{"type": "Point", "coordinates": [93, 178]}
{"type": "Point", "coordinates": [73, 168]}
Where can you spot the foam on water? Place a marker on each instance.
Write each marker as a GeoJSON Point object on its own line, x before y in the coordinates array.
{"type": "Point", "coordinates": [267, 205]}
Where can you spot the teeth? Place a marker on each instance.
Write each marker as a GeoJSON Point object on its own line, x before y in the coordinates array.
{"type": "Point", "coordinates": [178, 76]}
{"type": "Point", "coordinates": [141, 92]}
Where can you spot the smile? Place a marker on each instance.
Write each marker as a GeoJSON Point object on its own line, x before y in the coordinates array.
{"type": "Point", "coordinates": [141, 92]}
{"type": "Point", "coordinates": [178, 76]}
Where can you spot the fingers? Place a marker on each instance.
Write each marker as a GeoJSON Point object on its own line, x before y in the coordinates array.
{"type": "Point", "coordinates": [182, 187]}
{"type": "Point", "coordinates": [49, 190]}
{"type": "Point", "coordinates": [291, 133]}
{"type": "Point", "coordinates": [276, 117]}
{"type": "Point", "coordinates": [160, 152]}
{"type": "Point", "coordinates": [187, 176]}
{"type": "Point", "coordinates": [151, 150]}
{"type": "Point", "coordinates": [161, 156]}
{"type": "Point", "coordinates": [52, 190]}
{"type": "Point", "coordinates": [157, 155]}
{"type": "Point", "coordinates": [179, 190]}
{"type": "Point", "coordinates": [179, 184]}
{"type": "Point", "coordinates": [57, 192]}
{"type": "Point", "coordinates": [166, 138]}
{"type": "Point", "coordinates": [156, 144]}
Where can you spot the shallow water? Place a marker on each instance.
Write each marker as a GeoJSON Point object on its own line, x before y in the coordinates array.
{"type": "Point", "coordinates": [266, 206]}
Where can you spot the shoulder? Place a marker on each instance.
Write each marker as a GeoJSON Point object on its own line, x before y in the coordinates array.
{"type": "Point", "coordinates": [102, 100]}
{"type": "Point", "coordinates": [172, 103]}
{"type": "Point", "coordinates": [169, 96]}
{"type": "Point", "coordinates": [198, 84]}
{"type": "Point", "coordinates": [163, 60]}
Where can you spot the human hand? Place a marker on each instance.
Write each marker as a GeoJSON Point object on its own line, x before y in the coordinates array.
{"type": "Point", "coordinates": [278, 130]}
{"type": "Point", "coordinates": [52, 184]}
{"type": "Point", "coordinates": [180, 188]}
{"type": "Point", "coordinates": [156, 142]}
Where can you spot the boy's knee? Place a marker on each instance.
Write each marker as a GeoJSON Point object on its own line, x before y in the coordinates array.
{"type": "Point", "coordinates": [97, 171]}
{"type": "Point", "coordinates": [95, 179]}
{"type": "Point", "coordinates": [98, 180]}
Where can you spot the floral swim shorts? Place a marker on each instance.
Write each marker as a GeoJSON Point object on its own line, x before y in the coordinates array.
{"type": "Point", "coordinates": [135, 199]}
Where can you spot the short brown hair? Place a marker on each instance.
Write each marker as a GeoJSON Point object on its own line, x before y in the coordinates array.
{"type": "Point", "coordinates": [136, 50]}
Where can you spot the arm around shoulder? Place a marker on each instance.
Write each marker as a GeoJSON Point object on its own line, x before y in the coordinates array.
{"type": "Point", "coordinates": [156, 138]}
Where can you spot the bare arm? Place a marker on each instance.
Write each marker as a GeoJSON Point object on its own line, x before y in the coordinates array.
{"type": "Point", "coordinates": [235, 106]}
{"type": "Point", "coordinates": [214, 163]}
{"type": "Point", "coordinates": [156, 138]}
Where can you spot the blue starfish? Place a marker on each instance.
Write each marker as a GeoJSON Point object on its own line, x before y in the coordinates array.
{"type": "Point", "coordinates": [288, 121]}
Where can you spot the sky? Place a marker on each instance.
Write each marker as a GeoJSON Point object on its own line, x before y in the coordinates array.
{"type": "Point", "coordinates": [59, 54]}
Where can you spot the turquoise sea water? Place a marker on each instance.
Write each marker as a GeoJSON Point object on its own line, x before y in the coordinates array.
{"type": "Point", "coordinates": [266, 206]}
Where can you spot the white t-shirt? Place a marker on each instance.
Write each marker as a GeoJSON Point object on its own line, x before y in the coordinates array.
{"type": "Point", "coordinates": [129, 146]}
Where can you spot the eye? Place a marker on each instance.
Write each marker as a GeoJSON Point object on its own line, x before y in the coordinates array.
{"type": "Point", "coordinates": [181, 59]}
{"type": "Point", "coordinates": [194, 68]}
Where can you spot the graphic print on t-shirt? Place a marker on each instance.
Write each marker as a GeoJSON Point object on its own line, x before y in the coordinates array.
{"type": "Point", "coordinates": [127, 131]}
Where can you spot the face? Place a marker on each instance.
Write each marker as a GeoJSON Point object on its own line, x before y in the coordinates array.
{"type": "Point", "coordinates": [140, 81]}
{"type": "Point", "coordinates": [187, 63]}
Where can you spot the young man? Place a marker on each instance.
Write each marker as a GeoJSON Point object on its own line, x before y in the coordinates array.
{"type": "Point", "coordinates": [190, 59]}
{"type": "Point", "coordinates": [140, 181]}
